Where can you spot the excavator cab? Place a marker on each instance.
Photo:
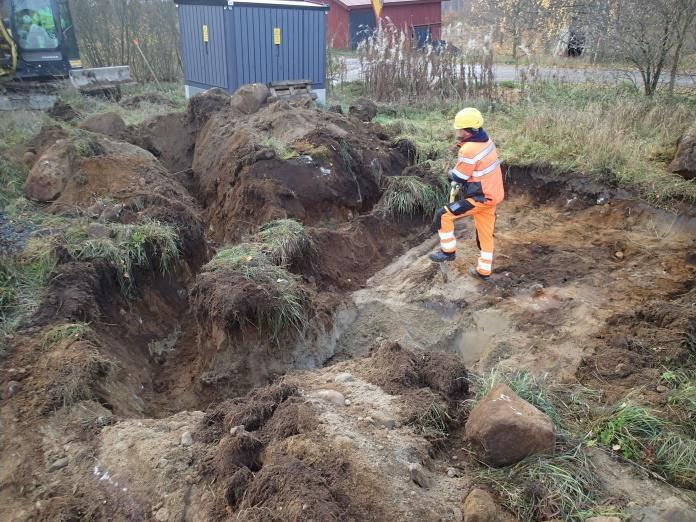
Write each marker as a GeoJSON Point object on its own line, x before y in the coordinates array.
{"type": "Point", "coordinates": [44, 37]}
{"type": "Point", "coordinates": [38, 47]}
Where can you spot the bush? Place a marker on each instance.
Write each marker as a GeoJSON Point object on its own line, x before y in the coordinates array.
{"type": "Point", "coordinates": [395, 69]}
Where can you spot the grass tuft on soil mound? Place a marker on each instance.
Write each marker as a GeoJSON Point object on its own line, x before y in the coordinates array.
{"type": "Point", "coordinates": [286, 241]}
{"type": "Point", "coordinates": [72, 331]}
{"type": "Point", "coordinates": [23, 282]}
{"type": "Point", "coordinates": [563, 486]}
{"type": "Point", "coordinates": [129, 247]}
{"type": "Point", "coordinates": [270, 298]}
{"type": "Point", "coordinates": [639, 435]}
{"type": "Point", "coordinates": [410, 196]}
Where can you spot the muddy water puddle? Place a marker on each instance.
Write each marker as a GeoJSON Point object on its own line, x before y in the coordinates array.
{"type": "Point", "coordinates": [482, 336]}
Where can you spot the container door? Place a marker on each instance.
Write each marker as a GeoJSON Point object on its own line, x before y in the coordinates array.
{"type": "Point", "coordinates": [203, 45]}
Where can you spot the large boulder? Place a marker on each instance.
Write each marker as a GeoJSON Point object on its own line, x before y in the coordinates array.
{"type": "Point", "coordinates": [684, 162]}
{"type": "Point", "coordinates": [108, 123]}
{"type": "Point", "coordinates": [507, 429]}
{"type": "Point", "coordinates": [47, 178]}
{"type": "Point", "coordinates": [363, 109]}
{"type": "Point", "coordinates": [248, 99]}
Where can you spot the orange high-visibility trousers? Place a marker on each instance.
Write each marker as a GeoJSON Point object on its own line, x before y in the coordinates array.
{"type": "Point", "coordinates": [484, 221]}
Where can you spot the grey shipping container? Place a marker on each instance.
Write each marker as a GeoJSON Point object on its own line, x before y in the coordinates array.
{"type": "Point", "coordinates": [227, 43]}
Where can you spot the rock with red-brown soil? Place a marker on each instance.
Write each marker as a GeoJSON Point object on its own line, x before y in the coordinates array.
{"type": "Point", "coordinates": [249, 98]}
{"type": "Point", "coordinates": [63, 111]}
{"type": "Point", "coordinates": [479, 506]}
{"type": "Point", "coordinates": [505, 429]}
{"type": "Point", "coordinates": [171, 138]}
{"type": "Point", "coordinates": [684, 162]}
{"type": "Point", "coordinates": [109, 123]}
{"type": "Point", "coordinates": [68, 179]}
{"type": "Point", "coordinates": [363, 109]}
{"type": "Point", "coordinates": [48, 177]}
{"type": "Point", "coordinates": [48, 136]}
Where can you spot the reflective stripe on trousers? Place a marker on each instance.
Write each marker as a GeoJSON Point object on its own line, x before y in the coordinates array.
{"type": "Point", "coordinates": [484, 221]}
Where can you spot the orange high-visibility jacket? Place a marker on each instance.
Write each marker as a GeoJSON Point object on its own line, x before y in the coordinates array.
{"type": "Point", "coordinates": [478, 169]}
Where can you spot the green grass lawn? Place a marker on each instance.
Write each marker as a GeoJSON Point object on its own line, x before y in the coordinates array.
{"type": "Point", "coordinates": [613, 135]}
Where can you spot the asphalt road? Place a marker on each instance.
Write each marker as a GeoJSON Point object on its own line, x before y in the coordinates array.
{"type": "Point", "coordinates": [504, 72]}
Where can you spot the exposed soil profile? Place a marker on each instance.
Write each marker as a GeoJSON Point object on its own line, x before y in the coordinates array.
{"type": "Point", "coordinates": [178, 403]}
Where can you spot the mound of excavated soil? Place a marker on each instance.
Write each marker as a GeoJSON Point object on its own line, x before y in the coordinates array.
{"type": "Point", "coordinates": [115, 181]}
{"type": "Point", "coordinates": [289, 161]}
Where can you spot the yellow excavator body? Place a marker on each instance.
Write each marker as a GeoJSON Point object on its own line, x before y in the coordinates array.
{"type": "Point", "coordinates": [7, 48]}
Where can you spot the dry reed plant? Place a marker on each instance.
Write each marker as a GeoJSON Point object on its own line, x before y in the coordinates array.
{"type": "Point", "coordinates": [396, 69]}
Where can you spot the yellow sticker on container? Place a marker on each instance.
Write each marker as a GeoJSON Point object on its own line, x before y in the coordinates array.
{"type": "Point", "coordinates": [205, 34]}
{"type": "Point", "coordinates": [276, 35]}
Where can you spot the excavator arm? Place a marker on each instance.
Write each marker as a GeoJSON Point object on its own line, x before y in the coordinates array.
{"type": "Point", "coordinates": [8, 51]}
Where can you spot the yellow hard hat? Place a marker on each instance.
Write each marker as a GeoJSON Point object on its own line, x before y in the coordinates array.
{"type": "Point", "coordinates": [468, 118]}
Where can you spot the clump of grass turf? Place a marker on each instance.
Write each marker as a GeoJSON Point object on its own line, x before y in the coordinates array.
{"type": "Point", "coordinates": [72, 331]}
{"type": "Point", "coordinates": [433, 422]}
{"type": "Point", "coordinates": [641, 436]}
{"type": "Point", "coordinates": [281, 149]}
{"type": "Point", "coordinates": [282, 304]}
{"type": "Point", "coordinates": [411, 196]}
{"type": "Point", "coordinates": [12, 178]}
{"type": "Point", "coordinates": [546, 487]}
{"type": "Point", "coordinates": [286, 241]}
{"type": "Point", "coordinates": [23, 282]}
{"type": "Point", "coordinates": [75, 375]}
{"type": "Point", "coordinates": [17, 127]}
{"type": "Point", "coordinates": [132, 246]}
{"type": "Point", "coordinates": [88, 147]}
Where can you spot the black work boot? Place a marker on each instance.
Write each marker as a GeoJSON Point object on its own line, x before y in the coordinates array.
{"type": "Point", "coordinates": [475, 273]}
{"type": "Point", "coordinates": [439, 257]}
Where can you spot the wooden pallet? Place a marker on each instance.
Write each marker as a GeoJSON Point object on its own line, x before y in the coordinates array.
{"type": "Point", "coordinates": [289, 89]}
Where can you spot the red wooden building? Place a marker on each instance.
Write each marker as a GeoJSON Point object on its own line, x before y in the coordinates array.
{"type": "Point", "coordinates": [350, 21]}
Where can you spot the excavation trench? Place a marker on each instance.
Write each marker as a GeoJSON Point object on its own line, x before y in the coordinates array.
{"type": "Point", "coordinates": [567, 261]}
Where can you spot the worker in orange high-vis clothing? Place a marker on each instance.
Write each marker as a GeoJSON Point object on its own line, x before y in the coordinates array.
{"type": "Point", "coordinates": [478, 173]}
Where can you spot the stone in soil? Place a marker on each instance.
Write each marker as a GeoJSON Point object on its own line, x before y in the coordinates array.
{"type": "Point", "coordinates": [505, 429]}
{"type": "Point", "coordinates": [363, 109]}
{"type": "Point", "coordinates": [108, 123]}
{"type": "Point", "coordinates": [419, 475]}
{"type": "Point", "coordinates": [331, 396]}
{"type": "Point", "coordinates": [480, 506]}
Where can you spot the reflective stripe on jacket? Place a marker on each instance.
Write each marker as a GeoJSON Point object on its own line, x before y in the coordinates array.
{"type": "Point", "coordinates": [478, 168]}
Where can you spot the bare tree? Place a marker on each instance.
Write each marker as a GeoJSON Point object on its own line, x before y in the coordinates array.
{"type": "Point", "coordinates": [106, 30]}
{"type": "Point", "coordinates": [645, 36]}
{"type": "Point", "coordinates": [684, 27]}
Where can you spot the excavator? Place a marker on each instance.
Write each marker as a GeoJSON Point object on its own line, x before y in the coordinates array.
{"type": "Point", "coordinates": [39, 56]}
